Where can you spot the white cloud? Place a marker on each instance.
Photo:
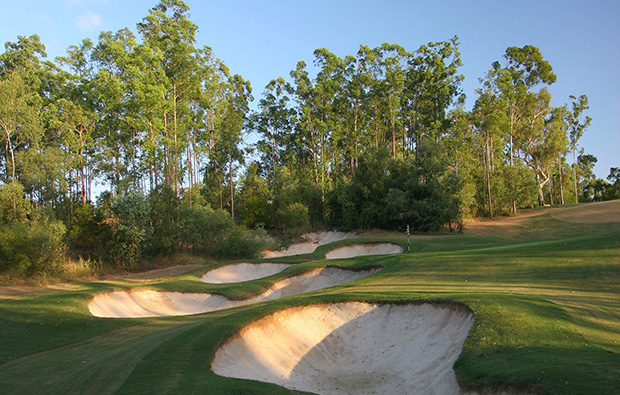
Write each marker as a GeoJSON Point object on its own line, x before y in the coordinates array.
{"type": "Point", "coordinates": [45, 19]}
{"type": "Point", "coordinates": [89, 21]}
{"type": "Point", "coordinates": [74, 2]}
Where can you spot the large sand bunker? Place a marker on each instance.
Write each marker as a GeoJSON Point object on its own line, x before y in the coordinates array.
{"type": "Point", "coordinates": [351, 348]}
{"type": "Point", "coordinates": [363, 249]}
{"type": "Point", "coordinates": [313, 240]}
{"type": "Point", "coordinates": [239, 272]}
{"type": "Point", "coordinates": [149, 303]}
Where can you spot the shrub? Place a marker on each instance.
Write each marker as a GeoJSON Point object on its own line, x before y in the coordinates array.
{"type": "Point", "coordinates": [241, 243]}
{"type": "Point", "coordinates": [294, 219]}
{"type": "Point", "coordinates": [127, 230]}
{"type": "Point", "coordinates": [13, 206]}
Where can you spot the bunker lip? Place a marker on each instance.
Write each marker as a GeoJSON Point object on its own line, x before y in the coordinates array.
{"type": "Point", "coordinates": [240, 272]}
{"type": "Point", "coordinates": [312, 241]}
{"type": "Point", "coordinates": [351, 348]}
{"type": "Point", "coordinates": [139, 303]}
{"type": "Point", "coordinates": [364, 249]}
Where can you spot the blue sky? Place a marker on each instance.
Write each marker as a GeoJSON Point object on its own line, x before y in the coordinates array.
{"type": "Point", "coordinates": [262, 40]}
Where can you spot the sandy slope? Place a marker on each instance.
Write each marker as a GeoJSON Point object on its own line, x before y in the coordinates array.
{"type": "Point", "coordinates": [351, 348]}
{"type": "Point", "coordinates": [363, 249]}
{"type": "Point", "coordinates": [149, 303]}
{"type": "Point", "coordinates": [312, 241]}
{"type": "Point", "coordinates": [239, 272]}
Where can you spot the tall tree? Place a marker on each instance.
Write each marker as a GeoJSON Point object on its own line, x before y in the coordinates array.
{"type": "Point", "coordinates": [544, 139]}
{"type": "Point", "coordinates": [576, 127]}
{"type": "Point", "coordinates": [20, 83]}
{"type": "Point", "coordinates": [523, 69]}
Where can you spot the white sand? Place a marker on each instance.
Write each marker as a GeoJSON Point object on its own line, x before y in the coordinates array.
{"type": "Point", "coordinates": [148, 303]}
{"type": "Point", "coordinates": [363, 249]}
{"type": "Point", "coordinates": [239, 272]}
{"type": "Point", "coordinates": [351, 348]}
{"type": "Point", "coordinates": [312, 241]}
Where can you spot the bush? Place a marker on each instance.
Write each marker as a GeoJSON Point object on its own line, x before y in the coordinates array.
{"type": "Point", "coordinates": [127, 230]}
{"type": "Point", "coordinates": [163, 205]}
{"type": "Point", "coordinates": [294, 220]}
{"type": "Point", "coordinates": [13, 206]}
{"type": "Point", "coordinates": [241, 243]}
{"type": "Point", "coordinates": [84, 235]}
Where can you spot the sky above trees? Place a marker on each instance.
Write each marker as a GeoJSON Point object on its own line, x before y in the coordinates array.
{"type": "Point", "coordinates": [263, 40]}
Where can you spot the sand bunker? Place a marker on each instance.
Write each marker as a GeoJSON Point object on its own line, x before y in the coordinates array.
{"type": "Point", "coordinates": [239, 272]}
{"type": "Point", "coordinates": [354, 250]}
{"type": "Point", "coordinates": [313, 240]}
{"type": "Point", "coordinates": [148, 303]}
{"type": "Point", "coordinates": [351, 348]}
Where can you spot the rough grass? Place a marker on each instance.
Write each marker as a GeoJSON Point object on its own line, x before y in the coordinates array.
{"type": "Point", "coordinates": [546, 305]}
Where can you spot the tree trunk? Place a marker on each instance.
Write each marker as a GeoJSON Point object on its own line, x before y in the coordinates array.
{"type": "Point", "coordinates": [575, 175]}
{"type": "Point", "coordinates": [175, 160]}
{"type": "Point", "coordinates": [512, 186]}
{"type": "Point", "coordinates": [10, 148]}
{"type": "Point", "coordinates": [488, 175]}
{"type": "Point", "coordinates": [542, 180]}
{"type": "Point", "coordinates": [561, 185]}
{"type": "Point", "coordinates": [232, 196]}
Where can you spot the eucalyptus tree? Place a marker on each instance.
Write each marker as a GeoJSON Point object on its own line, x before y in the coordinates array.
{"type": "Point", "coordinates": [544, 138]}
{"type": "Point", "coordinates": [76, 115]}
{"type": "Point", "coordinates": [488, 121]}
{"type": "Point", "coordinates": [168, 29]}
{"type": "Point", "coordinates": [432, 88]}
{"type": "Point", "coordinates": [327, 122]}
{"type": "Point", "coordinates": [231, 127]}
{"type": "Point", "coordinates": [357, 92]}
{"type": "Point", "coordinates": [20, 83]}
{"type": "Point", "coordinates": [370, 72]}
{"type": "Point", "coordinates": [576, 127]}
{"type": "Point", "coordinates": [275, 122]}
{"type": "Point", "coordinates": [304, 91]}
{"type": "Point", "coordinates": [116, 82]}
{"type": "Point", "coordinates": [523, 69]}
{"type": "Point", "coordinates": [394, 64]}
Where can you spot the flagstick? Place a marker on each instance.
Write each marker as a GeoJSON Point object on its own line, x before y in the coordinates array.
{"type": "Point", "coordinates": [407, 238]}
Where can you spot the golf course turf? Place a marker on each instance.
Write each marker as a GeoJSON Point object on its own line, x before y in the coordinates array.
{"type": "Point", "coordinates": [544, 290]}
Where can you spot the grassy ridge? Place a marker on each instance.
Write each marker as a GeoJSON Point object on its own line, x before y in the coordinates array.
{"type": "Point", "coordinates": [547, 318]}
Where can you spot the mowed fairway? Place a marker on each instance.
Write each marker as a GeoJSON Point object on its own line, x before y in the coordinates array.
{"type": "Point", "coordinates": [544, 289]}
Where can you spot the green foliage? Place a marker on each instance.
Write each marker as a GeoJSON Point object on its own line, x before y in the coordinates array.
{"type": "Point", "coordinates": [294, 219]}
{"type": "Point", "coordinates": [13, 207]}
{"type": "Point", "coordinates": [128, 230]}
{"type": "Point", "coordinates": [13, 259]}
{"type": "Point", "coordinates": [240, 243]}
{"type": "Point", "coordinates": [613, 190]}
{"type": "Point", "coordinates": [84, 232]}
{"type": "Point", "coordinates": [162, 205]}
{"type": "Point", "coordinates": [393, 193]}
{"type": "Point", "coordinates": [32, 247]}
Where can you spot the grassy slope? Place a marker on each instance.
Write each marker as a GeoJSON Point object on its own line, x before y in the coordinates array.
{"type": "Point", "coordinates": [546, 302]}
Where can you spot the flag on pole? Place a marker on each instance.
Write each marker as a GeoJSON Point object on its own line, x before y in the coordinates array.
{"type": "Point", "coordinates": [408, 249]}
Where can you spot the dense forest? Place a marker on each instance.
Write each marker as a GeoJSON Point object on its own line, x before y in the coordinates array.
{"type": "Point", "coordinates": [377, 139]}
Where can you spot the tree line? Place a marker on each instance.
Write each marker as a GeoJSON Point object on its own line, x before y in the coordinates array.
{"type": "Point", "coordinates": [380, 138]}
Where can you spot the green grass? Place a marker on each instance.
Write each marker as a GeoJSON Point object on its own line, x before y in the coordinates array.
{"type": "Point", "coordinates": [547, 317]}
